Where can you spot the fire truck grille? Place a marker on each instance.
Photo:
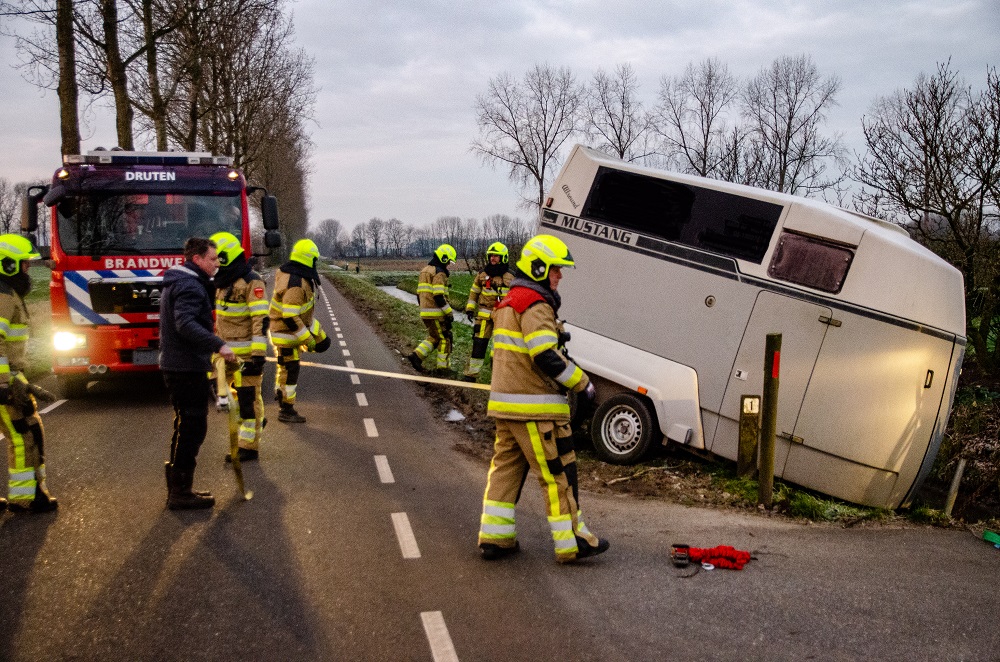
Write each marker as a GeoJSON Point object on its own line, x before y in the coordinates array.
{"type": "Point", "coordinates": [125, 297]}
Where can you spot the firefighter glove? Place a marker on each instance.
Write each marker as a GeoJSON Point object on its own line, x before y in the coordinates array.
{"type": "Point", "coordinates": [322, 345]}
{"type": "Point", "coordinates": [447, 321]}
{"type": "Point", "coordinates": [590, 394]}
{"type": "Point", "coordinates": [471, 314]}
{"type": "Point", "coordinates": [4, 394]}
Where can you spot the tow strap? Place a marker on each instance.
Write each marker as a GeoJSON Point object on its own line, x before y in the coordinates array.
{"type": "Point", "coordinates": [394, 375]}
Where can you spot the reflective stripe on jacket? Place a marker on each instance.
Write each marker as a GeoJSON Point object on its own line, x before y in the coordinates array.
{"type": "Point", "coordinates": [520, 390]}
{"type": "Point", "coordinates": [240, 311]}
{"type": "Point", "coordinates": [291, 312]}
{"type": "Point", "coordinates": [432, 283]}
{"type": "Point", "coordinates": [13, 332]}
{"type": "Point", "coordinates": [486, 291]}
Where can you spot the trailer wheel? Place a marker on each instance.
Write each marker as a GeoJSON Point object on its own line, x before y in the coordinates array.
{"type": "Point", "coordinates": [73, 387]}
{"type": "Point", "coordinates": [624, 429]}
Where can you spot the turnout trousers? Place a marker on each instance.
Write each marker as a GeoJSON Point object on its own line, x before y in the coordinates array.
{"type": "Point", "coordinates": [437, 338]}
{"type": "Point", "coordinates": [189, 395]}
{"type": "Point", "coordinates": [545, 448]}
{"type": "Point", "coordinates": [481, 334]}
{"type": "Point", "coordinates": [246, 413]}
{"type": "Point", "coordinates": [286, 377]}
{"type": "Point", "coordinates": [25, 453]}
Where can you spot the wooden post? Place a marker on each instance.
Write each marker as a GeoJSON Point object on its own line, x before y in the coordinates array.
{"type": "Point", "coordinates": [746, 458]}
{"type": "Point", "coordinates": [769, 419]}
{"type": "Point", "coordinates": [953, 490]}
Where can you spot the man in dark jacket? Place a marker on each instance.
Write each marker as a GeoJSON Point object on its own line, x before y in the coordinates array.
{"type": "Point", "coordinates": [186, 346]}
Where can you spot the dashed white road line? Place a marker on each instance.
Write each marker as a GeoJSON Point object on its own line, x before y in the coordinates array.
{"type": "Point", "coordinates": [340, 335]}
{"type": "Point", "coordinates": [384, 472]}
{"type": "Point", "coordinates": [342, 343]}
{"type": "Point", "coordinates": [404, 533]}
{"type": "Point", "coordinates": [346, 352]}
{"type": "Point", "coordinates": [370, 428]}
{"type": "Point", "coordinates": [362, 399]}
{"type": "Point", "coordinates": [437, 635]}
{"type": "Point", "coordinates": [355, 379]}
{"type": "Point", "coordinates": [349, 364]}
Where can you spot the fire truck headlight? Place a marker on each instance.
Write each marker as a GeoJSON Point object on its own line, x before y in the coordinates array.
{"type": "Point", "coordinates": [65, 341]}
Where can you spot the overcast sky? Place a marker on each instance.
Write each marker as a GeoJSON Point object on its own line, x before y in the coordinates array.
{"type": "Point", "coordinates": [395, 114]}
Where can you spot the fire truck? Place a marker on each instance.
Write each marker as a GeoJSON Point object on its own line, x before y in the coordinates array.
{"type": "Point", "coordinates": [119, 221]}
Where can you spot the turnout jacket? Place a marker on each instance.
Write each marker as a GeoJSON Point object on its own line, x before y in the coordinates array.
{"type": "Point", "coordinates": [240, 315]}
{"type": "Point", "coordinates": [530, 376]}
{"type": "Point", "coordinates": [186, 338]}
{"type": "Point", "coordinates": [432, 292]}
{"type": "Point", "coordinates": [291, 318]}
{"type": "Point", "coordinates": [13, 332]}
{"type": "Point", "coordinates": [486, 290]}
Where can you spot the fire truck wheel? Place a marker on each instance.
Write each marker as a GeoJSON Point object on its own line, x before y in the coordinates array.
{"type": "Point", "coordinates": [624, 429]}
{"type": "Point", "coordinates": [73, 387]}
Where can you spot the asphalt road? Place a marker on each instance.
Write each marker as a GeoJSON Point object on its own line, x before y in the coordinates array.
{"type": "Point", "coordinates": [359, 544]}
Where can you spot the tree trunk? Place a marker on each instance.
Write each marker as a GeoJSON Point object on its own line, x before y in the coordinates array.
{"type": "Point", "coordinates": [69, 119]}
{"type": "Point", "coordinates": [116, 75]}
{"type": "Point", "coordinates": [159, 110]}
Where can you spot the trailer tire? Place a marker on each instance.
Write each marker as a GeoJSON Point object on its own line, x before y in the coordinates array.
{"type": "Point", "coordinates": [624, 429]}
{"type": "Point", "coordinates": [73, 387]}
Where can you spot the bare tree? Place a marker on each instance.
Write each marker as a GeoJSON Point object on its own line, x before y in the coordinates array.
{"type": "Point", "coordinates": [329, 236]}
{"type": "Point", "coordinates": [396, 235]}
{"type": "Point", "coordinates": [359, 240]}
{"type": "Point", "coordinates": [375, 233]}
{"type": "Point", "coordinates": [523, 125]}
{"type": "Point", "coordinates": [933, 165]}
{"type": "Point", "coordinates": [785, 106]}
{"type": "Point", "coordinates": [698, 120]}
{"type": "Point", "coordinates": [615, 117]}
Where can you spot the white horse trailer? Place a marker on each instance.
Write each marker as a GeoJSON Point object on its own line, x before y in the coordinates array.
{"type": "Point", "coordinates": [679, 280]}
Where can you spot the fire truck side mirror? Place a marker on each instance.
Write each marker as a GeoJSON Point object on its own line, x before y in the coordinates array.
{"type": "Point", "coordinates": [272, 239]}
{"type": "Point", "coordinates": [269, 212]}
{"type": "Point", "coordinates": [29, 208]}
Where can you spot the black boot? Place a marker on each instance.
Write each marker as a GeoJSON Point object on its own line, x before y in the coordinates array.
{"type": "Point", "coordinates": [287, 414]}
{"type": "Point", "coordinates": [244, 455]}
{"type": "Point", "coordinates": [586, 549]}
{"type": "Point", "coordinates": [166, 470]}
{"type": "Point", "coordinates": [42, 503]}
{"type": "Point", "coordinates": [416, 362]}
{"type": "Point", "coordinates": [181, 497]}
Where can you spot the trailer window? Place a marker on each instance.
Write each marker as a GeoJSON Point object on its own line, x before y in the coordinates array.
{"type": "Point", "coordinates": [812, 262]}
{"type": "Point", "coordinates": [707, 219]}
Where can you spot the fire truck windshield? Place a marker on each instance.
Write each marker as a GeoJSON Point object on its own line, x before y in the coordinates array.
{"type": "Point", "coordinates": [101, 223]}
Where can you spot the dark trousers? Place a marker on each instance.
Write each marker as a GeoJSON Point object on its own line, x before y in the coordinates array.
{"type": "Point", "coordinates": [189, 395]}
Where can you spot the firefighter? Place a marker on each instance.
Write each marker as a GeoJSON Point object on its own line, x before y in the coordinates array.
{"type": "Point", "coordinates": [19, 419]}
{"type": "Point", "coordinates": [293, 329]}
{"type": "Point", "coordinates": [528, 402]}
{"type": "Point", "coordinates": [435, 311]}
{"type": "Point", "coordinates": [241, 320]}
{"type": "Point", "coordinates": [490, 286]}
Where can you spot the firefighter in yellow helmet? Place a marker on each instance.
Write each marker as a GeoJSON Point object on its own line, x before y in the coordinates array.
{"type": "Point", "coordinates": [490, 285]}
{"type": "Point", "coordinates": [19, 419]}
{"type": "Point", "coordinates": [241, 320]}
{"type": "Point", "coordinates": [293, 328]}
{"type": "Point", "coordinates": [528, 402]}
{"type": "Point", "coordinates": [435, 311]}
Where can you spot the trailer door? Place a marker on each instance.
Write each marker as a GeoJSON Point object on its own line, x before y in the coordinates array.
{"type": "Point", "coordinates": [803, 330]}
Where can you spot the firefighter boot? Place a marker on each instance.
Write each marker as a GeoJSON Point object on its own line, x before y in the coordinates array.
{"type": "Point", "coordinates": [492, 552]}
{"type": "Point", "coordinates": [181, 497]}
{"type": "Point", "coordinates": [586, 549]}
{"type": "Point", "coordinates": [166, 470]}
{"type": "Point", "coordinates": [42, 503]}
{"type": "Point", "coordinates": [244, 455]}
{"type": "Point", "coordinates": [416, 361]}
{"type": "Point", "coordinates": [287, 414]}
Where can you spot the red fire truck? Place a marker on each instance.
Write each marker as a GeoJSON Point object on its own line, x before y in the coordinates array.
{"type": "Point", "coordinates": [119, 221]}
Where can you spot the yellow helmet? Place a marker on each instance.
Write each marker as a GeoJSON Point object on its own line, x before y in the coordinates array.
{"type": "Point", "coordinates": [228, 247]}
{"type": "Point", "coordinates": [541, 252]}
{"type": "Point", "coordinates": [305, 252]}
{"type": "Point", "coordinates": [446, 253]}
{"type": "Point", "coordinates": [496, 248]}
{"type": "Point", "coordinates": [14, 249]}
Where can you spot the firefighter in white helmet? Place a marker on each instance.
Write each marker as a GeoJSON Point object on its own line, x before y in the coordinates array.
{"type": "Point", "coordinates": [20, 422]}
{"type": "Point", "coordinates": [241, 320]}
{"type": "Point", "coordinates": [528, 401]}
{"type": "Point", "coordinates": [490, 285]}
{"type": "Point", "coordinates": [435, 311]}
{"type": "Point", "coordinates": [293, 327]}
